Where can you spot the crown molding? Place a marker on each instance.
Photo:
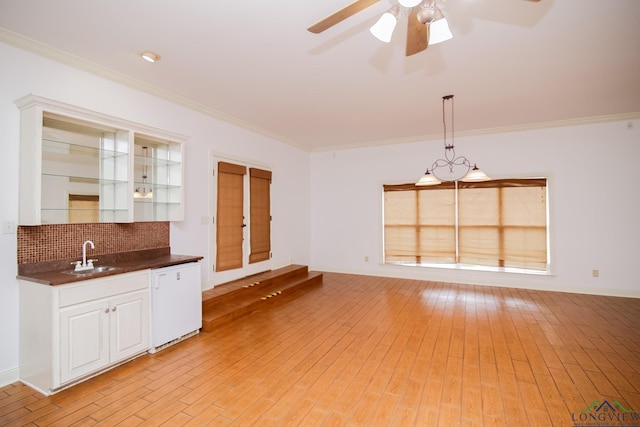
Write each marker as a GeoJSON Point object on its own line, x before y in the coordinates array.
{"type": "Point", "coordinates": [505, 129]}
{"type": "Point", "coordinates": [41, 49]}
{"type": "Point", "coordinates": [44, 50]}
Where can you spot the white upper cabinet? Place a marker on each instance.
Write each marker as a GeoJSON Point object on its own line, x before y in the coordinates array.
{"type": "Point", "coordinates": [79, 166]}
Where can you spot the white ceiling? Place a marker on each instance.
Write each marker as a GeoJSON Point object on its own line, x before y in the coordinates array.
{"type": "Point", "coordinates": [511, 63]}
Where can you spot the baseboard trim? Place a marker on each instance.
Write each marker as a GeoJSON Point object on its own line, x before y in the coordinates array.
{"type": "Point", "coordinates": [9, 377]}
{"type": "Point", "coordinates": [537, 283]}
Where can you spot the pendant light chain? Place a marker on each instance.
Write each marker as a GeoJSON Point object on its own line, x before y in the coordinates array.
{"type": "Point", "coordinates": [444, 121]}
{"type": "Point", "coordinates": [451, 168]}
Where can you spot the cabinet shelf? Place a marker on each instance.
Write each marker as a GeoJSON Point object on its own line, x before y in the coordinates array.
{"type": "Point", "coordinates": [84, 179]}
{"type": "Point", "coordinates": [155, 202]}
{"type": "Point", "coordinates": [157, 185]}
{"type": "Point", "coordinates": [65, 148]}
{"type": "Point", "coordinates": [82, 210]}
{"type": "Point", "coordinates": [154, 161]}
{"type": "Point", "coordinates": [61, 216]}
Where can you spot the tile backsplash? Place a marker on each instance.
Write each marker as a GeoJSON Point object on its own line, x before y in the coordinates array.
{"type": "Point", "coordinates": [62, 241]}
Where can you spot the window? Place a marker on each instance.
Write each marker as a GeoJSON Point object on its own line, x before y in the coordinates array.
{"type": "Point", "coordinates": [498, 223]}
{"type": "Point", "coordinates": [83, 208]}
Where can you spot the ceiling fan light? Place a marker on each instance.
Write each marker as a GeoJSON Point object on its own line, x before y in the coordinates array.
{"type": "Point", "coordinates": [383, 29]}
{"type": "Point", "coordinates": [439, 31]}
{"type": "Point", "coordinates": [409, 3]}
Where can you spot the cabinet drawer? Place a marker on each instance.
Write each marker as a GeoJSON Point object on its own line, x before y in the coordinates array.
{"type": "Point", "coordinates": [93, 289]}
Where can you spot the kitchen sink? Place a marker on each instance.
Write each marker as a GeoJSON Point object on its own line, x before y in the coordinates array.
{"type": "Point", "coordinates": [89, 272]}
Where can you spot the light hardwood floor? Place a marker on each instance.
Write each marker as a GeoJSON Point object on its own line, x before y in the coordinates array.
{"type": "Point", "coordinates": [373, 351]}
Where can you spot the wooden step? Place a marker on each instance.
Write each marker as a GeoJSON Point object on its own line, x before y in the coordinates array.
{"type": "Point", "coordinates": [232, 289]}
{"type": "Point", "coordinates": [230, 301]}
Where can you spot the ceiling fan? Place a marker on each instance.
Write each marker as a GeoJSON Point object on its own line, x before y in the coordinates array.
{"type": "Point", "coordinates": [422, 15]}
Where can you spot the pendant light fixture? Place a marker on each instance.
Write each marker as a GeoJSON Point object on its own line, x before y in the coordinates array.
{"type": "Point", "coordinates": [451, 167]}
{"type": "Point", "coordinates": [144, 194]}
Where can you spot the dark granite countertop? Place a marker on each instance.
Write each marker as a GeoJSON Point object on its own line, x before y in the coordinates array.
{"type": "Point", "coordinates": [54, 272]}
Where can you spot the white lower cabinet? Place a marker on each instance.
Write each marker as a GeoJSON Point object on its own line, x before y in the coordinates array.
{"type": "Point", "coordinates": [84, 339]}
{"type": "Point", "coordinates": [70, 332]}
{"type": "Point", "coordinates": [96, 334]}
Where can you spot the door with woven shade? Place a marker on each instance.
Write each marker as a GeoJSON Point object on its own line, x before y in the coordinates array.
{"type": "Point", "coordinates": [243, 220]}
{"type": "Point", "coordinates": [259, 217]}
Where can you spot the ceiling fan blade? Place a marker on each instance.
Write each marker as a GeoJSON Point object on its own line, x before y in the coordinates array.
{"type": "Point", "coordinates": [417, 34]}
{"type": "Point", "coordinates": [340, 15]}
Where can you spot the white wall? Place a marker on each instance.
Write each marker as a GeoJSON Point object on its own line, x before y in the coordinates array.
{"type": "Point", "coordinates": [594, 202]}
{"type": "Point", "coordinates": [22, 73]}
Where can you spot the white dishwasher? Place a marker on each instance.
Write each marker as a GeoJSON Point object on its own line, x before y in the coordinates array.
{"type": "Point", "coordinates": [176, 304]}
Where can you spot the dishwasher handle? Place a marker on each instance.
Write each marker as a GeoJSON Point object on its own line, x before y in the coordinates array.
{"type": "Point", "coordinates": [156, 283]}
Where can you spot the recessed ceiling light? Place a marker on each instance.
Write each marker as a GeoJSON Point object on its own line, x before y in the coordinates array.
{"type": "Point", "coordinates": [150, 56]}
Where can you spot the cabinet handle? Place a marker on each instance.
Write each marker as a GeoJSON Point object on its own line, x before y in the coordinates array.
{"type": "Point", "coordinates": [106, 310]}
{"type": "Point", "coordinates": [114, 309]}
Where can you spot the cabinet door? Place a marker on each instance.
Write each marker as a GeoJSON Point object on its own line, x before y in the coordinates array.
{"type": "Point", "coordinates": [129, 323]}
{"type": "Point", "coordinates": [84, 339]}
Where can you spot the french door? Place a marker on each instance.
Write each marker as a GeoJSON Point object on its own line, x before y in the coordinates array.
{"type": "Point", "coordinates": [242, 220]}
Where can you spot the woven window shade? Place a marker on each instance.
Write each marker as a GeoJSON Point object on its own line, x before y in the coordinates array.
{"type": "Point", "coordinates": [230, 208]}
{"type": "Point", "coordinates": [84, 209]}
{"type": "Point", "coordinates": [501, 223]}
{"type": "Point", "coordinates": [419, 224]}
{"type": "Point", "coordinates": [260, 215]}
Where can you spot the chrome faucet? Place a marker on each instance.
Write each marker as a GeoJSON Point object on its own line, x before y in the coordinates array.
{"type": "Point", "coordinates": [84, 264]}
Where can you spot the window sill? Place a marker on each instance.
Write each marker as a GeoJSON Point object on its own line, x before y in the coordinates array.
{"type": "Point", "coordinates": [467, 267]}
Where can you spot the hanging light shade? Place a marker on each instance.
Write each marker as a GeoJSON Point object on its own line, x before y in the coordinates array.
{"type": "Point", "coordinates": [451, 167]}
{"type": "Point", "coordinates": [144, 194]}
{"type": "Point", "coordinates": [428, 179]}
{"type": "Point", "coordinates": [475, 175]}
{"type": "Point", "coordinates": [383, 29]}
